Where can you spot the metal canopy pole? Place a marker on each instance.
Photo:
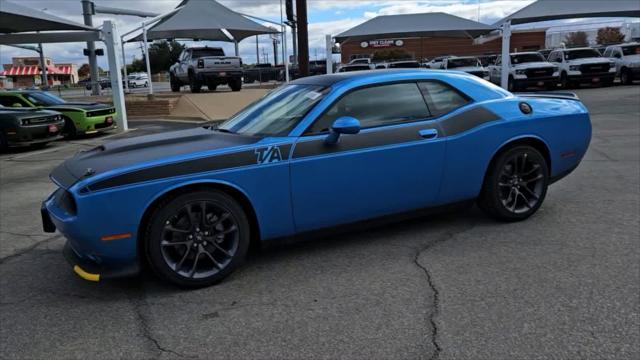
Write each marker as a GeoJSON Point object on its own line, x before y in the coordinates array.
{"type": "Point", "coordinates": [329, 59]}
{"type": "Point", "coordinates": [504, 67]}
{"type": "Point", "coordinates": [146, 56]}
{"type": "Point", "coordinates": [111, 41]}
{"type": "Point", "coordinates": [87, 12]}
{"type": "Point", "coordinates": [45, 80]}
{"type": "Point", "coordinates": [235, 44]}
{"type": "Point", "coordinates": [124, 67]}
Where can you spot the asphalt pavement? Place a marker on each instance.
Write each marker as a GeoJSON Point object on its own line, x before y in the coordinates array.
{"type": "Point", "coordinates": [564, 284]}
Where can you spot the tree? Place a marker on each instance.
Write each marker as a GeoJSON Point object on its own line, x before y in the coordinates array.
{"type": "Point", "coordinates": [393, 54]}
{"type": "Point", "coordinates": [84, 71]}
{"type": "Point", "coordinates": [163, 54]}
{"type": "Point", "coordinates": [609, 35]}
{"type": "Point", "coordinates": [578, 38]}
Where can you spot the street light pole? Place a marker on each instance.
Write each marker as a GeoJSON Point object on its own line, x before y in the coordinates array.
{"type": "Point", "coordinates": [87, 12]}
{"type": "Point", "coordinates": [303, 37]}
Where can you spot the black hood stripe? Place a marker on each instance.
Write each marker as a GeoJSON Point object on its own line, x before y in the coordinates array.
{"type": "Point", "coordinates": [200, 165]}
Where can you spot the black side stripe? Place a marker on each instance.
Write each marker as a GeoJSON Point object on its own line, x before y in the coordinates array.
{"type": "Point", "coordinates": [363, 140]}
{"type": "Point", "coordinates": [468, 120]}
{"type": "Point", "coordinates": [212, 163]}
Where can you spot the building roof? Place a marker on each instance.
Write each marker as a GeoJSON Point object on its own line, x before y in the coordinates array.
{"type": "Point", "coordinates": [33, 70]}
{"type": "Point", "coordinates": [543, 10]}
{"type": "Point", "coordinates": [415, 25]}
{"type": "Point", "coordinates": [204, 20]}
{"type": "Point", "coordinates": [17, 18]}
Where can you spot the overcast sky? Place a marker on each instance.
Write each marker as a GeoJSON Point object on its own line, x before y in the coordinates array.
{"type": "Point", "coordinates": [325, 17]}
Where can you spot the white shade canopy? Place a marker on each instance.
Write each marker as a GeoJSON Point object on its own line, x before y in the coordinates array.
{"type": "Point", "coordinates": [543, 10]}
{"type": "Point", "coordinates": [16, 18]}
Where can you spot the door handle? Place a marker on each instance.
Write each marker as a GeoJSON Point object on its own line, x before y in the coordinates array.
{"type": "Point", "coordinates": [428, 133]}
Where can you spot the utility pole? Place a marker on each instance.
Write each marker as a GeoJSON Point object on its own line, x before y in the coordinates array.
{"type": "Point", "coordinates": [87, 12]}
{"type": "Point", "coordinates": [291, 21]}
{"type": "Point", "coordinates": [303, 37]}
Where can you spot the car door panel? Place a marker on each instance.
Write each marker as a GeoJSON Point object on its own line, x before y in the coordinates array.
{"type": "Point", "coordinates": [380, 171]}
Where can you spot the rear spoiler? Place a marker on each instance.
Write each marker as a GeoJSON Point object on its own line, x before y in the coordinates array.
{"type": "Point", "coordinates": [550, 95]}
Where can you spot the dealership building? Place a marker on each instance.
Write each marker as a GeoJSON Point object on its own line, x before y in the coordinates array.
{"type": "Point", "coordinates": [425, 36]}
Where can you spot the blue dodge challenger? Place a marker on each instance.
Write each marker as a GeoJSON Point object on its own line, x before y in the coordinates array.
{"type": "Point", "coordinates": [318, 153]}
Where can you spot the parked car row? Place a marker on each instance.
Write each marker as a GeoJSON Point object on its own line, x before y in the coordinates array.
{"type": "Point", "coordinates": [34, 117]}
{"type": "Point", "coordinates": [567, 67]}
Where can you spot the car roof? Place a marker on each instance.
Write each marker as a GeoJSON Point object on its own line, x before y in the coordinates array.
{"type": "Point", "coordinates": [525, 52]}
{"type": "Point", "coordinates": [374, 75]}
{"type": "Point", "coordinates": [461, 57]}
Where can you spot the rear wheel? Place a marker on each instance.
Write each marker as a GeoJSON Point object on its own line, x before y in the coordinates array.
{"type": "Point", "coordinates": [197, 239]}
{"type": "Point", "coordinates": [515, 185]}
{"type": "Point", "coordinates": [235, 84]}
{"type": "Point", "coordinates": [194, 84]}
{"type": "Point", "coordinates": [212, 86]}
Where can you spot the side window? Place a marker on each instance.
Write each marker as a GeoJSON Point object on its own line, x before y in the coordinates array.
{"type": "Point", "coordinates": [441, 97]}
{"type": "Point", "coordinates": [9, 101]}
{"type": "Point", "coordinates": [376, 106]}
{"type": "Point", "coordinates": [607, 53]}
{"type": "Point", "coordinates": [499, 60]}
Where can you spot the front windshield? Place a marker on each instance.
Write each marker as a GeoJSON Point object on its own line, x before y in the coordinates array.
{"type": "Point", "coordinates": [44, 99]}
{"type": "Point", "coordinates": [277, 113]}
{"type": "Point", "coordinates": [581, 54]}
{"type": "Point", "coordinates": [631, 50]}
{"type": "Point", "coordinates": [526, 58]}
{"type": "Point", "coordinates": [455, 63]}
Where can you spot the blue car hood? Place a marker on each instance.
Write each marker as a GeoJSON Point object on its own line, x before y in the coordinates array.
{"type": "Point", "coordinates": [138, 150]}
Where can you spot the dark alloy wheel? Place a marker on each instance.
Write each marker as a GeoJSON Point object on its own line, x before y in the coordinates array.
{"type": "Point", "coordinates": [70, 131]}
{"type": "Point", "coordinates": [625, 77]}
{"type": "Point", "coordinates": [516, 184]}
{"type": "Point", "coordinates": [198, 238]}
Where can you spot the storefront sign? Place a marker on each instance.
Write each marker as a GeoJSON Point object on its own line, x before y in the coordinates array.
{"type": "Point", "coordinates": [381, 43]}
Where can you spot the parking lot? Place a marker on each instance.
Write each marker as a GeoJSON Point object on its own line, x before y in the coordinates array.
{"type": "Point", "coordinates": [563, 284]}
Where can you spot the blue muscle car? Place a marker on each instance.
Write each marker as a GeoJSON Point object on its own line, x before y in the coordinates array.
{"type": "Point", "coordinates": [318, 153]}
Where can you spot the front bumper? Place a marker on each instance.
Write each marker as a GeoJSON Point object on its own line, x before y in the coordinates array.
{"type": "Point", "coordinates": [593, 77]}
{"type": "Point", "coordinates": [33, 135]}
{"type": "Point", "coordinates": [90, 257]}
{"type": "Point", "coordinates": [98, 124]}
{"type": "Point", "coordinates": [539, 81]}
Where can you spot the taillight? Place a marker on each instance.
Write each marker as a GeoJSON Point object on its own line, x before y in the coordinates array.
{"type": "Point", "coordinates": [200, 63]}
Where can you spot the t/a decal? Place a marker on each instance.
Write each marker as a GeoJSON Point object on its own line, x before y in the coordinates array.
{"type": "Point", "coordinates": [268, 155]}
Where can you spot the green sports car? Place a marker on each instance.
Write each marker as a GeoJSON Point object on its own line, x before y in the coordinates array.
{"type": "Point", "coordinates": [80, 117]}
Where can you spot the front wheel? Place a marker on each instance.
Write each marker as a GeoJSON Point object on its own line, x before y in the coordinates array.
{"type": "Point", "coordinates": [174, 83]}
{"type": "Point", "coordinates": [515, 185]}
{"type": "Point", "coordinates": [625, 77]}
{"type": "Point", "coordinates": [197, 239]}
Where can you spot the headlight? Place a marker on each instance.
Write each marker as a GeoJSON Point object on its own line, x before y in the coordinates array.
{"type": "Point", "coordinates": [26, 122]}
{"type": "Point", "coordinates": [521, 72]}
{"type": "Point", "coordinates": [612, 63]}
{"type": "Point", "coordinates": [574, 68]}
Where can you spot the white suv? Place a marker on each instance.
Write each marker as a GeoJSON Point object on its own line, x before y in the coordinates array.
{"type": "Point", "coordinates": [138, 81]}
{"type": "Point", "coordinates": [627, 59]}
{"type": "Point", "coordinates": [581, 65]}
{"type": "Point", "coordinates": [468, 64]}
{"type": "Point", "coordinates": [526, 69]}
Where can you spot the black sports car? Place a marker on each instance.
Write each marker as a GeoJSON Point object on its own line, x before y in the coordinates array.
{"type": "Point", "coordinates": [28, 126]}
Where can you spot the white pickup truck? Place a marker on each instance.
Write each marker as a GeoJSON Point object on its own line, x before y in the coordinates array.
{"type": "Point", "coordinates": [468, 64]}
{"type": "Point", "coordinates": [206, 66]}
{"type": "Point", "coordinates": [583, 65]}
{"type": "Point", "coordinates": [627, 58]}
{"type": "Point", "coordinates": [526, 69]}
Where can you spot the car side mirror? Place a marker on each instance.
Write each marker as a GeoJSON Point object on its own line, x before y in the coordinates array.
{"type": "Point", "coordinates": [16, 105]}
{"type": "Point", "coordinates": [342, 125]}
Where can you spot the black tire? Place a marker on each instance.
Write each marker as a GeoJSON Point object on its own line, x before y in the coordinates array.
{"type": "Point", "coordinates": [626, 78]}
{"type": "Point", "coordinates": [175, 83]}
{"type": "Point", "coordinates": [511, 85]}
{"type": "Point", "coordinates": [178, 238]}
{"type": "Point", "coordinates": [146, 84]}
{"type": "Point", "coordinates": [69, 131]}
{"type": "Point", "coordinates": [564, 81]}
{"type": "Point", "coordinates": [4, 144]}
{"type": "Point", "coordinates": [194, 84]}
{"type": "Point", "coordinates": [235, 84]}
{"type": "Point", "coordinates": [551, 86]}
{"type": "Point", "coordinates": [212, 86]}
{"type": "Point", "coordinates": [515, 184]}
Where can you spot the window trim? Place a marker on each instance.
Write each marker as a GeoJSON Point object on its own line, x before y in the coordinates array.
{"type": "Point", "coordinates": [307, 130]}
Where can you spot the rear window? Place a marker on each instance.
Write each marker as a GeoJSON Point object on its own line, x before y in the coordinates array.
{"type": "Point", "coordinates": [206, 52]}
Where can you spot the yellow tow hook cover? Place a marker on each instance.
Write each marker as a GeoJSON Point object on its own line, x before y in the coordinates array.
{"type": "Point", "coordinates": [85, 275]}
